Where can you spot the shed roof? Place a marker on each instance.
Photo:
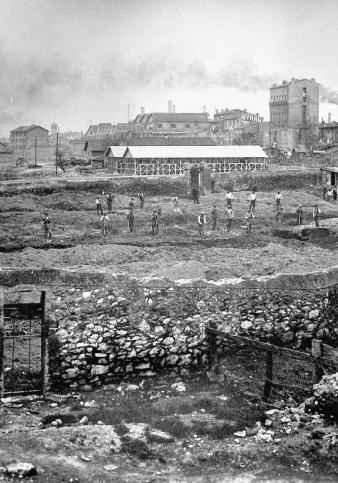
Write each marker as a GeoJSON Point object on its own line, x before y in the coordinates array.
{"type": "Point", "coordinates": [27, 128]}
{"type": "Point", "coordinates": [143, 152]}
{"type": "Point", "coordinates": [115, 151]}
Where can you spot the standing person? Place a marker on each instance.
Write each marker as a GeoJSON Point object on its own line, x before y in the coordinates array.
{"type": "Point", "coordinates": [229, 215]}
{"type": "Point", "coordinates": [46, 222]}
{"type": "Point", "coordinates": [130, 218]}
{"type": "Point", "coordinates": [249, 219]}
{"type": "Point", "coordinates": [176, 204]}
{"type": "Point", "coordinates": [109, 202]}
{"type": "Point", "coordinates": [214, 217]}
{"type": "Point", "coordinates": [201, 221]}
{"type": "Point", "coordinates": [154, 223]}
{"type": "Point", "coordinates": [141, 198]}
{"type": "Point", "coordinates": [99, 210]}
{"type": "Point", "coordinates": [131, 204]}
{"type": "Point", "coordinates": [252, 199]}
{"type": "Point", "coordinates": [335, 193]}
{"type": "Point", "coordinates": [315, 215]}
{"type": "Point", "coordinates": [229, 197]}
{"type": "Point", "coordinates": [329, 194]}
{"type": "Point", "coordinates": [104, 220]}
{"type": "Point", "coordinates": [279, 216]}
{"type": "Point", "coordinates": [324, 192]}
{"type": "Point", "coordinates": [212, 183]}
{"type": "Point", "coordinates": [278, 199]}
{"type": "Point", "coordinates": [195, 194]}
{"type": "Point", "coordinates": [299, 212]}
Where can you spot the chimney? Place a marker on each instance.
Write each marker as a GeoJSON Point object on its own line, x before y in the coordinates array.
{"type": "Point", "coordinates": [142, 110]}
{"type": "Point", "coordinates": [174, 108]}
{"type": "Point", "coordinates": [293, 79]}
{"type": "Point", "coordinates": [313, 79]}
{"type": "Point", "coordinates": [204, 109]}
{"type": "Point", "coordinates": [170, 106]}
{"type": "Point", "coordinates": [329, 117]}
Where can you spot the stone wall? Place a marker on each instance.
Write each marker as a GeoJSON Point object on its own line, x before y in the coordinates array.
{"type": "Point", "coordinates": [105, 334]}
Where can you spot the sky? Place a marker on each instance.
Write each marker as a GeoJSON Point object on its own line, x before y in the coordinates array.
{"type": "Point", "coordinates": [81, 61]}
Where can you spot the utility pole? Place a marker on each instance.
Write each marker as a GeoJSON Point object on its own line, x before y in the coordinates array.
{"type": "Point", "coordinates": [35, 150]}
{"type": "Point", "coordinates": [56, 153]}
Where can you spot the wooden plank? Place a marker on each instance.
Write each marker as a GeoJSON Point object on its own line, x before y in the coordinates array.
{"type": "Point", "coordinates": [212, 345]}
{"type": "Point", "coordinates": [268, 376]}
{"type": "Point", "coordinates": [260, 345]}
{"type": "Point", "coordinates": [2, 326]}
{"type": "Point", "coordinates": [317, 371]}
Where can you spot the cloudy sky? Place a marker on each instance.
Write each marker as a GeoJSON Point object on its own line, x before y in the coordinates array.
{"type": "Point", "coordinates": [81, 60]}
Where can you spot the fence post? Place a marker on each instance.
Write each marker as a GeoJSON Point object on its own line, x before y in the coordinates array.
{"type": "Point", "coordinates": [268, 375]}
{"type": "Point", "coordinates": [2, 326]}
{"type": "Point", "coordinates": [212, 345]}
{"type": "Point", "coordinates": [44, 344]}
{"type": "Point", "coordinates": [316, 351]}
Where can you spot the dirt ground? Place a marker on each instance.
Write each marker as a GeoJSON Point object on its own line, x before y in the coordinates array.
{"type": "Point", "coordinates": [151, 433]}
{"type": "Point", "coordinates": [178, 251]}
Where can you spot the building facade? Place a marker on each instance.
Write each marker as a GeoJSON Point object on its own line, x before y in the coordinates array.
{"type": "Point", "coordinates": [294, 104]}
{"type": "Point", "coordinates": [229, 119]}
{"type": "Point", "coordinates": [97, 132]}
{"type": "Point", "coordinates": [24, 139]}
{"type": "Point", "coordinates": [172, 123]}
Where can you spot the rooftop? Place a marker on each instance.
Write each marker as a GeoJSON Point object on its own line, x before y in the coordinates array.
{"type": "Point", "coordinates": [27, 128]}
{"type": "Point", "coordinates": [182, 152]}
{"type": "Point", "coordinates": [172, 117]}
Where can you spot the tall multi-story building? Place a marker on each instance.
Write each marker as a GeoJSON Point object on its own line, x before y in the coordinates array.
{"type": "Point", "coordinates": [31, 142]}
{"type": "Point", "coordinates": [294, 104]}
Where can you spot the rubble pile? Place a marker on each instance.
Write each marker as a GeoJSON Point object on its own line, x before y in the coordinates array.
{"type": "Point", "coordinates": [326, 396]}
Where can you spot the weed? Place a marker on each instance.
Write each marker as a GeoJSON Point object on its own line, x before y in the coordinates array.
{"type": "Point", "coordinates": [136, 447]}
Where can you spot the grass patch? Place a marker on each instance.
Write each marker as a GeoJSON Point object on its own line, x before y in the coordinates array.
{"type": "Point", "coordinates": [136, 447]}
{"type": "Point", "coordinates": [66, 418]}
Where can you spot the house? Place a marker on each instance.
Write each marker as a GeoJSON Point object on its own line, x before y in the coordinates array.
{"type": "Point", "coordinates": [94, 151]}
{"type": "Point", "coordinates": [172, 123]}
{"type": "Point", "coordinates": [77, 147]}
{"type": "Point", "coordinates": [173, 160]}
{"type": "Point", "coordinates": [329, 176]}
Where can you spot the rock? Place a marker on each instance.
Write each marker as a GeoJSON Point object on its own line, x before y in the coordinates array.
{"type": "Point", "coordinates": [110, 467]}
{"type": "Point", "coordinates": [168, 341]}
{"type": "Point", "coordinates": [314, 314]}
{"type": "Point", "coordinates": [73, 372]}
{"type": "Point", "coordinates": [143, 367]}
{"type": "Point", "coordinates": [246, 324]}
{"type": "Point", "coordinates": [21, 469]}
{"type": "Point", "coordinates": [240, 434]}
{"type": "Point", "coordinates": [157, 436]}
{"type": "Point", "coordinates": [132, 388]}
{"type": "Point", "coordinates": [56, 422]}
{"type": "Point", "coordinates": [99, 369]}
{"type": "Point", "coordinates": [144, 326]}
{"type": "Point", "coordinates": [84, 420]}
{"type": "Point", "coordinates": [54, 405]}
{"type": "Point", "coordinates": [86, 295]}
{"type": "Point", "coordinates": [179, 387]}
{"type": "Point", "coordinates": [90, 404]}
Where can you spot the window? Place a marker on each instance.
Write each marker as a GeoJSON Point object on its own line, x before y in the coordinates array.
{"type": "Point", "coordinates": [159, 125]}
{"type": "Point", "coordinates": [172, 125]}
{"type": "Point", "coordinates": [187, 125]}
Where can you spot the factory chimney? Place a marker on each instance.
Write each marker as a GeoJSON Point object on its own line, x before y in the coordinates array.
{"type": "Point", "coordinates": [174, 108]}
{"type": "Point", "coordinates": [142, 110]}
{"type": "Point", "coordinates": [204, 109]}
{"type": "Point", "coordinates": [170, 106]}
{"type": "Point", "coordinates": [329, 117]}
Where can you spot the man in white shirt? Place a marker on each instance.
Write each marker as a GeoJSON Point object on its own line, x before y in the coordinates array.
{"type": "Point", "coordinates": [104, 222]}
{"type": "Point", "coordinates": [252, 199]}
{"type": "Point", "coordinates": [278, 199]}
{"type": "Point", "coordinates": [201, 221]}
{"type": "Point", "coordinates": [229, 197]}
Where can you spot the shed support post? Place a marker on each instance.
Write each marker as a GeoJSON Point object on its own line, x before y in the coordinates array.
{"type": "Point", "coordinates": [316, 351]}
{"type": "Point", "coordinates": [44, 344]}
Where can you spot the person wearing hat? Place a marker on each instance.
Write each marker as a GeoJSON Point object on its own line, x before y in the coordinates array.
{"type": "Point", "coordinates": [315, 215]}
{"type": "Point", "coordinates": [201, 221]}
{"type": "Point", "coordinates": [46, 222]}
{"type": "Point", "coordinates": [249, 219]}
{"type": "Point", "coordinates": [299, 212]}
{"type": "Point", "coordinates": [214, 216]}
{"type": "Point", "coordinates": [154, 223]}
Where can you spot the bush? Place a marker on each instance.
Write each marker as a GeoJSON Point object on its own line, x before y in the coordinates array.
{"type": "Point", "coordinates": [326, 396]}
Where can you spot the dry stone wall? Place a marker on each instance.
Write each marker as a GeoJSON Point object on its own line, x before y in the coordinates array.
{"type": "Point", "coordinates": [107, 333]}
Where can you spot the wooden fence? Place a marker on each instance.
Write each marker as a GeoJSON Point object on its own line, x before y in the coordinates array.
{"type": "Point", "coordinates": [322, 355]}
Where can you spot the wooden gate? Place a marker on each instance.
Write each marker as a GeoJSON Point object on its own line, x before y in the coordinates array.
{"type": "Point", "coordinates": [23, 348]}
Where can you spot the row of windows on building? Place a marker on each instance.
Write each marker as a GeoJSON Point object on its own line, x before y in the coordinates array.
{"type": "Point", "coordinates": [279, 98]}
{"type": "Point", "coordinates": [172, 125]}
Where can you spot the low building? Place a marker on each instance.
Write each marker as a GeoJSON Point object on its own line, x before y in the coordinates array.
{"type": "Point", "coordinates": [328, 132]}
{"type": "Point", "coordinates": [329, 176]}
{"type": "Point", "coordinates": [94, 150]}
{"type": "Point", "coordinates": [172, 123]}
{"type": "Point", "coordinates": [228, 119]}
{"type": "Point", "coordinates": [174, 160]}
{"type": "Point", "coordinates": [77, 147]}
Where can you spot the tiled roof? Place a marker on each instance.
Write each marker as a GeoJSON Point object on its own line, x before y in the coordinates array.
{"type": "Point", "coordinates": [172, 117]}
{"type": "Point", "coordinates": [27, 128]}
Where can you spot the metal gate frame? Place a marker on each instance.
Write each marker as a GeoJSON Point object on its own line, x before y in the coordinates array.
{"type": "Point", "coordinates": [44, 347]}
